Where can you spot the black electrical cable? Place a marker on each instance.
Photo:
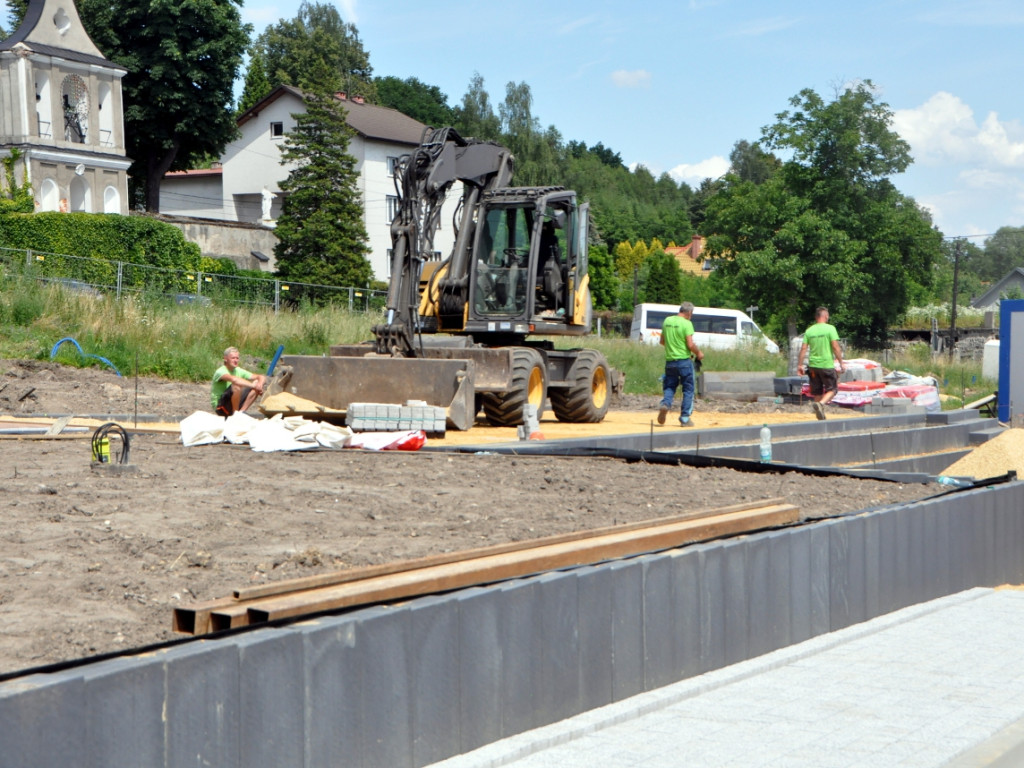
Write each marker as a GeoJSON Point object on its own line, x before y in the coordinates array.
{"type": "Point", "coordinates": [103, 432]}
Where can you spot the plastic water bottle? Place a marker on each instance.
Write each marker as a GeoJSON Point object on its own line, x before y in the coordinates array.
{"type": "Point", "coordinates": [766, 444]}
{"type": "Point", "coordinates": [946, 480]}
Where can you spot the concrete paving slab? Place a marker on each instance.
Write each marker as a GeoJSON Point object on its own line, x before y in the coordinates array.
{"type": "Point", "coordinates": [921, 687]}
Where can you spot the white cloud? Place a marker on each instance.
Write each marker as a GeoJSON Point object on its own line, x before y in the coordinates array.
{"type": "Point", "coordinates": [695, 173]}
{"type": "Point", "coordinates": [635, 78]}
{"type": "Point", "coordinates": [943, 129]}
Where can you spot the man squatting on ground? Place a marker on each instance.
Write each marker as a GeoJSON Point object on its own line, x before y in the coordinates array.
{"type": "Point", "coordinates": [823, 342]}
{"type": "Point", "coordinates": [234, 388]}
{"type": "Point", "coordinates": [680, 352]}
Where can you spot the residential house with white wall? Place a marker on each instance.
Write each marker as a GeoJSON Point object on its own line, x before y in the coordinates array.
{"type": "Point", "coordinates": [251, 165]}
{"type": "Point", "coordinates": [61, 108]}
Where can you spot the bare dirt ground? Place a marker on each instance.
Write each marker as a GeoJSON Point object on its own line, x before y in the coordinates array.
{"type": "Point", "coordinates": [93, 562]}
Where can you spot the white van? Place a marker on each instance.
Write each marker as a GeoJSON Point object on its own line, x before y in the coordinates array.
{"type": "Point", "coordinates": [713, 328]}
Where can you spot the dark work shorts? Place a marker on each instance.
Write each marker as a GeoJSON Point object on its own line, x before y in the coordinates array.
{"type": "Point", "coordinates": [225, 406]}
{"type": "Point", "coordinates": [823, 380]}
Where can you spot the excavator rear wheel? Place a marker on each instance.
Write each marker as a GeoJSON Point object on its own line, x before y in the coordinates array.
{"type": "Point", "coordinates": [529, 385]}
{"type": "Point", "coordinates": [586, 399]}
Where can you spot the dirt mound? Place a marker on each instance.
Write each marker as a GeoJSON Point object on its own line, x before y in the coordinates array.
{"type": "Point", "coordinates": [1003, 453]}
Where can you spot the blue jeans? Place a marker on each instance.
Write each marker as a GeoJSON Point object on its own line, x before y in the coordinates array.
{"type": "Point", "coordinates": [679, 372]}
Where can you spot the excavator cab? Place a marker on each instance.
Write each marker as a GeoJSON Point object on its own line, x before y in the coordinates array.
{"type": "Point", "coordinates": [527, 266]}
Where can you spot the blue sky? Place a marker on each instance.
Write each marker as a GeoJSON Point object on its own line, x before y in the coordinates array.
{"type": "Point", "coordinates": [673, 84]}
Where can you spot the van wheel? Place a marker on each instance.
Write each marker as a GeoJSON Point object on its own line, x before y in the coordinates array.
{"type": "Point", "coordinates": [586, 399]}
{"type": "Point", "coordinates": [529, 386]}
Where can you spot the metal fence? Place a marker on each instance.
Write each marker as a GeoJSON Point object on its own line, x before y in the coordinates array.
{"type": "Point", "coordinates": [121, 278]}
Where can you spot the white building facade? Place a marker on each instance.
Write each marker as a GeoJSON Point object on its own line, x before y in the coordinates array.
{"type": "Point", "coordinates": [61, 109]}
{"type": "Point", "coordinates": [251, 167]}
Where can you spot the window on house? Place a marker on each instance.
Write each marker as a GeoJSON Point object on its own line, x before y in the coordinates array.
{"type": "Point", "coordinates": [392, 166]}
{"type": "Point", "coordinates": [392, 207]}
{"type": "Point", "coordinates": [276, 130]}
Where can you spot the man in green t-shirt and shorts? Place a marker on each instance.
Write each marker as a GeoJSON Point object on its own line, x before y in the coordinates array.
{"type": "Point", "coordinates": [680, 352]}
{"type": "Point", "coordinates": [822, 341]}
{"type": "Point", "coordinates": [233, 388]}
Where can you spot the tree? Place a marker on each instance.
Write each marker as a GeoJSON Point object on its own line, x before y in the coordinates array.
{"type": "Point", "coordinates": [15, 15]}
{"type": "Point", "coordinates": [603, 284]}
{"type": "Point", "coordinates": [257, 86]}
{"type": "Point", "coordinates": [829, 227]}
{"type": "Point", "coordinates": [663, 279]}
{"type": "Point", "coordinates": [416, 99]}
{"type": "Point", "coordinates": [316, 51]}
{"type": "Point", "coordinates": [322, 238]}
{"type": "Point", "coordinates": [751, 163]}
{"type": "Point", "coordinates": [1003, 251]}
{"type": "Point", "coordinates": [475, 116]}
{"type": "Point", "coordinates": [182, 58]}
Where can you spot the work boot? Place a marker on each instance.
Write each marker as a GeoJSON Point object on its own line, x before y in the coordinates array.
{"type": "Point", "coordinates": [819, 410]}
{"type": "Point", "coordinates": [662, 413]}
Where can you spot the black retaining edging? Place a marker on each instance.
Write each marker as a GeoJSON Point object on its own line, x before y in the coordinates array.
{"type": "Point", "coordinates": [422, 680]}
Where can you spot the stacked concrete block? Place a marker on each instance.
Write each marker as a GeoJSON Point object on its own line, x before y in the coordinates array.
{"type": "Point", "coordinates": [861, 374]}
{"type": "Point", "coordinates": [390, 417]}
{"type": "Point", "coordinates": [738, 385]}
{"type": "Point", "coordinates": [788, 385]}
{"type": "Point", "coordinates": [889, 405]}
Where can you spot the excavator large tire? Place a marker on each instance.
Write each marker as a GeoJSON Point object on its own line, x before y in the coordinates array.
{"type": "Point", "coordinates": [529, 385]}
{"type": "Point", "coordinates": [586, 399]}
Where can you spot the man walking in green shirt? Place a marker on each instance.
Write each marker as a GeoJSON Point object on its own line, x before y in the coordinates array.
{"type": "Point", "coordinates": [680, 351]}
{"type": "Point", "coordinates": [822, 341]}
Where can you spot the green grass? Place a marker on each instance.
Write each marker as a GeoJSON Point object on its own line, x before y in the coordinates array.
{"type": "Point", "coordinates": [186, 342]}
{"type": "Point", "coordinates": [176, 342]}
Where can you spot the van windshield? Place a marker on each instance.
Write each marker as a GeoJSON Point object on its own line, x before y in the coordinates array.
{"type": "Point", "coordinates": [714, 324]}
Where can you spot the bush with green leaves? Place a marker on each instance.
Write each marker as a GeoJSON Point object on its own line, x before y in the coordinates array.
{"type": "Point", "coordinates": [106, 238]}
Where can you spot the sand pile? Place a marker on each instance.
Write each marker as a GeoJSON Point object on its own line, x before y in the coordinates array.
{"type": "Point", "coordinates": [998, 456]}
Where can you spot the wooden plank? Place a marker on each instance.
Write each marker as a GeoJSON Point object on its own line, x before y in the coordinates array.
{"type": "Point", "coordinates": [499, 567]}
{"type": "Point", "coordinates": [365, 572]}
{"type": "Point", "coordinates": [195, 619]}
{"type": "Point", "coordinates": [58, 426]}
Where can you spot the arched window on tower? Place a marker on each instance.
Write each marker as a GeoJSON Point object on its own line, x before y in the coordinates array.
{"type": "Point", "coordinates": [75, 102]}
{"type": "Point", "coordinates": [44, 106]}
{"type": "Point", "coordinates": [106, 109]}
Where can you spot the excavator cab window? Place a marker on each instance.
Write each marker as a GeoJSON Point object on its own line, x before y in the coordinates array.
{"type": "Point", "coordinates": [553, 261]}
{"type": "Point", "coordinates": [503, 261]}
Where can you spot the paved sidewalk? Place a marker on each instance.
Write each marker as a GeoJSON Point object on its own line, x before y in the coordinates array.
{"type": "Point", "coordinates": [936, 684]}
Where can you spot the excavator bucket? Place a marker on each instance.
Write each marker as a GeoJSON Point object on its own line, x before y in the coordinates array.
{"type": "Point", "coordinates": [333, 383]}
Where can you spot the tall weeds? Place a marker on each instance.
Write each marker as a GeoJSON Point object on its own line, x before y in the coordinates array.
{"type": "Point", "coordinates": [161, 338]}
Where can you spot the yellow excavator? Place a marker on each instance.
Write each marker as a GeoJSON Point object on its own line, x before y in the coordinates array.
{"type": "Point", "coordinates": [468, 333]}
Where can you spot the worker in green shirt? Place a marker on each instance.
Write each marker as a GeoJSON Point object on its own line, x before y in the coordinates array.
{"type": "Point", "coordinates": [680, 352]}
{"type": "Point", "coordinates": [233, 388]}
{"type": "Point", "coordinates": [822, 341]}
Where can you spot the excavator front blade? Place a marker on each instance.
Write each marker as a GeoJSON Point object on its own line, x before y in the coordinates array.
{"type": "Point", "coordinates": [336, 382]}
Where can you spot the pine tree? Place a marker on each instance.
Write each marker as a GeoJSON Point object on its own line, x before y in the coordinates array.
{"type": "Point", "coordinates": [257, 86]}
{"type": "Point", "coordinates": [322, 237]}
